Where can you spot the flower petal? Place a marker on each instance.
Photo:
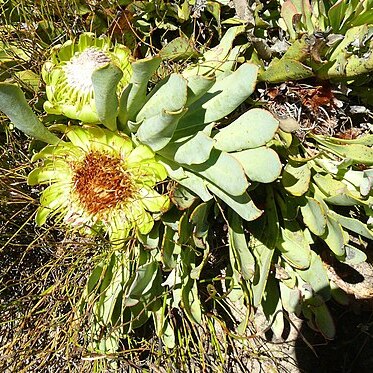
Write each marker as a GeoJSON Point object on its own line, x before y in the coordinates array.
{"type": "Point", "coordinates": [49, 173]}
{"type": "Point", "coordinates": [139, 154]}
{"type": "Point", "coordinates": [79, 137]}
{"type": "Point", "coordinates": [153, 201]}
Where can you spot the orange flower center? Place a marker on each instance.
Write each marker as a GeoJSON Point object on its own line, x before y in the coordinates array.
{"type": "Point", "coordinates": [101, 182]}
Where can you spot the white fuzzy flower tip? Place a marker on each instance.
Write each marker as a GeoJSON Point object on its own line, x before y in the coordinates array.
{"type": "Point", "coordinates": [80, 68]}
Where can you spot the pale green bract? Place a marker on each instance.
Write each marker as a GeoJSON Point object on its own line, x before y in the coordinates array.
{"type": "Point", "coordinates": [100, 180]}
{"type": "Point", "coordinates": [68, 75]}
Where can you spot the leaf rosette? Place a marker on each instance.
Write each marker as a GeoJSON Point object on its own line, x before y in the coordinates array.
{"type": "Point", "coordinates": [100, 180]}
{"type": "Point", "coordinates": [68, 75]}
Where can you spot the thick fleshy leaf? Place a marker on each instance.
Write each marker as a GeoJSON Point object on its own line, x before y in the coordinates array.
{"type": "Point", "coordinates": [264, 235]}
{"type": "Point", "coordinates": [178, 48]}
{"type": "Point", "coordinates": [314, 216]}
{"type": "Point", "coordinates": [188, 179]}
{"type": "Point", "coordinates": [286, 69]}
{"type": "Point", "coordinates": [14, 105]}
{"type": "Point", "coordinates": [181, 197]}
{"type": "Point", "coordinates": [324, 320]}
{"type": "Point", "coordinates": [215, 58]}
{"type": "Point", "coordinates": [261, 164]}
{"type": "Point", "coordinates": [316, 276]}
{"type": "Point", "coordinates": [105, 81]}
{"type": "Point", "coordinates": [290, 298]}
{"type": "Point", "coordinates": [243, 205]}
{"type": "Point", "coordinates": [170, 249]}
{"type": "Point", "coordinates": [296, 178]}
{"type": "Point", "coordinates": [220, 100]}
{"type": "Point", "coordinates": [364, 140]}
{"type": "Point", "coordinates": [163, 327]}
{"type": "Point", "coordinates": [334, 237]}
{"type": "Point", "coordinates": [252, 129]}
{"type": "Point", "coordinates": [288, 11]}
{"type": "Point", "coordinates": [134, 95]}
{"type": "Point", "coordinates": [243, 258]}
{"type": "Point", "coordinates": [353, 256]}
{"type": "Point", "coordinates": [356, 152]}
{"type": "Point", "coordinates": [272, 307]}
{"type": "Point", "coordinates": [336, 191]}
{"type": "Point", "coordinates": [194, 150]}
{"type": "Point", "coordinates": [338, 294]}
{"type": "Point", "coordinates": [109, 297]}
{"type": "Point", "coordinates": [145, 275]}
{"type": "Point", "coordinates": [294, 246]}
{"type": "Point", "coordinates": [353, 225]}
{"type": "Point", "coordinates": [171, 97]}
{"type": "Point", "coordinates": [199, 218]}
{"type": "Point", "coordinates": [157, 131]}
{"type": "Point", "coordinates": [224, 171]}
{"type": "Point", "coordinates": [197, 86]}
{"type": "Point", "coordinates": [189, 296]}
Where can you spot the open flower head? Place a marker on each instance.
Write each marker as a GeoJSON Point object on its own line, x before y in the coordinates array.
{"type": "Point", "coordinates": [100, 180]}
{"type": "Point", "coordinates": [68, 75]}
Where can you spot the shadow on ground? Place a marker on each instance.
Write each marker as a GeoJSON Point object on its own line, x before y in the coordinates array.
{"type": "Point", "coordinates": [351, 350]}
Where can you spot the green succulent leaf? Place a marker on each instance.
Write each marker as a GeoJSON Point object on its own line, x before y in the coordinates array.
{"type": "Point", "coordinates": [197, 86]}
{"type": "Point", "coordinates": [288, 11]}
{"type": "Point", "coordinates": [324, 320]}
{"type": "Point", "coordinates": [334, 237]}
{"type": "Point", "coordinates": [353, 256]}
{"type": "Point", "coordinates": [356, 152]}
{"type": "Point", "coordinates": [189, 296]}
{"type": "Point", "coordinates": [314, 216]}
{"type": "Point", "coordinates": [296, 178]}
{"type": "Point", "coordinates": [142, 283]}
{"type": "Point", "coordinates": [199, 218]}
{"type": "Point", "coordinates": [294, 246]}
{"type": "Point", "coordinates": [337, 192]}
{"type": "Point", "coordinates": [348, 64]}
{"type": "Point", "coordinates": [134, 95]}
{"type": "Point", "coordinates": [261, 164]}
{"type": "Point", "coordinates": [264, 235]}
{"type": "Point", "coordinates": [284, 69]}
{"type": "Point", "coordinates": [243, 205]}
{"type": "Point", "coordinates": [290, 298]}
{"type": "Point", "coordinates": [109, 306]}
{"type": "Point", "coordinates": [158, 130]}
{"type": "Point", "coordinates": [272, 307]}
{"type": "Point", "coordinates": [187, 178]}
{"type": "Point", "coordinates": [105, 81]}
{"type": "Point", "coordinates": [244, 261]}
{"type": "Point", "coordinates": [316, 276]}
{"type": "Point", "coordinates": [170, 96]}
{"type": "Point", "coordinates": [178, 48]}
{"type": "Point", "coordinates": [193, 150]}
{"type": "Point", "coordinates": [353, 225]}
{"type": "Point", "coordinates": [14, 105]}
{"type": "Point", "coordinates": [170, 249]}
{"type": "Point", "coordinates": [220, 100]}
{"type": "Point", "coordinates": [251, 130]}
{"type": "Point", "coordinates": [338, 294]}
{"type": "Point", "coordinates": [217, 168]}
{"type": "Point", "coordinates": [215, 58]}
{"type": "Point", "coordinates": [364, 140]}
{"type": "Point", "coordinates": [163, 327]}
{"type": "Point", "coordinates": [182, 198]}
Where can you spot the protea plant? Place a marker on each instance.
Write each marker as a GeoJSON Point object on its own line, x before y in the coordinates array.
{"type": "Point", "coordinates": [100, 180]}
{"type": "Point", "coordinates": [68, 75]}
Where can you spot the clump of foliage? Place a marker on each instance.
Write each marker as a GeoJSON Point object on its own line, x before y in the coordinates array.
{"type": "Point", "coordinates": [207, 201]}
